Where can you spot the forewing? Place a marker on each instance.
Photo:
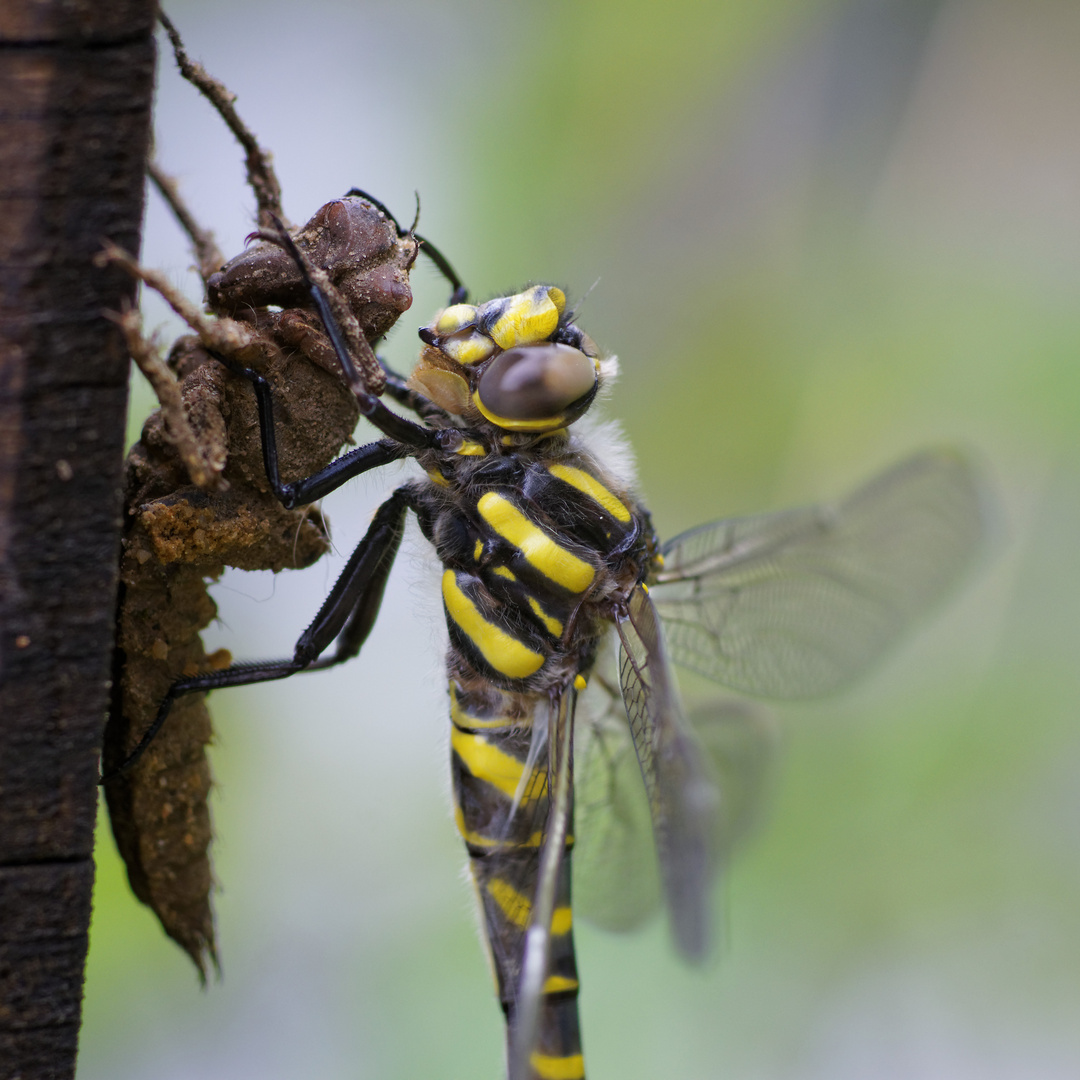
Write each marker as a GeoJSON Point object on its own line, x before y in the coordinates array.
{"type": "Point", "coordinates": [796, 603]}
{"type": "Point", "coordinates": [681, 797]}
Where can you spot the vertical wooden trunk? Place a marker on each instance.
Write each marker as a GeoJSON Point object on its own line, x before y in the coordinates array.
{"type": "Point", "coordinates": [76, 81]}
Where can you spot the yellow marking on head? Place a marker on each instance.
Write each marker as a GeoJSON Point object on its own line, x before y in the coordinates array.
{"type": "Point", "coordinates": [530, 316]}
{"type": "Point", "coordinates": [558, 984]}
{"type": "Point", "coordinates": [478, 550]}
{"type": "Point", "coordinates": [658, 559]}
{"type": "Point", "coordinates": [580, 682]}
{"type": "Point", "coordinates": [561, 921]}
{"type": "Point", "coordinates": [470, 348]}
{"type": "Point", "coordinates": [496, 767]}
{"type": "Point", "coordinates": [554, 562]}
{"type": "Point", "coordinates": [554, 627]}
{"type": "Point", "coordinates": [592, 487]}
{"type": "Point", "coordinates": [455, 318]}
{"type": "Point", "coordinates": [506, 572]}
{"type": "Point", "coordinates": [567, 1067]}
{"type": "Point", "coordinates": [542, 424]}
{"type": "Point", "coordinates": [438, 478]}
{"type": "Point", "coordinates": [460, 718]}
{"type": "Point", "coordinates": [471, 449]}
{"type": "Point", "coordinates": [516, 907]}
{"type": "Point", "coordinates": [493, 843]}
{"type": "Point", "coordinates": [504, 653]}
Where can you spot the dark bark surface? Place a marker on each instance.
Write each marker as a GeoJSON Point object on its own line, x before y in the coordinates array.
{"type": "Point", "coordinates": [76, 79]}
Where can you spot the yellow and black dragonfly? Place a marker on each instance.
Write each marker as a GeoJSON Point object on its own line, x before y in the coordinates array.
{"type": "Point", "coordinates": [548, 554]}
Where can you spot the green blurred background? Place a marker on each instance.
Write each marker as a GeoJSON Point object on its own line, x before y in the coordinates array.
{"type": "Point", "coordinates": [822, 234]}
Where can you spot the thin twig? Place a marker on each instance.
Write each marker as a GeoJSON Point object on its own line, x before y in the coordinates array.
{"type": "Point", "coordinates": [260, 170]}
{"type": "Point", "coordinates": [360, 352]}
{"type": "Point", "coordinates": [221, 336]}
{"type": "Point", "coordinates": [207, 254]}
{"type": "Point", "coordinates": [203, 463]}
{"type": "Point", "coordinates": [217, 334]}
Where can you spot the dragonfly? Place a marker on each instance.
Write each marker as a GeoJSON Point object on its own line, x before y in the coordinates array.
{"type": "Point", "coordinates": [548, 555]}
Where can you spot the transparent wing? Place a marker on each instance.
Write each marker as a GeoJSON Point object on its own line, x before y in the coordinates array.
{"type": "Point", "coordinates": [616, 878]}
{"type": "Point", "coordinates": [681, 796]}
{"type": "Point", "coordinates": [616, 874]}
{"type": "Point", "coordinates": [740, 745]}
{"type": "Point", "coordinates": [795, 603]}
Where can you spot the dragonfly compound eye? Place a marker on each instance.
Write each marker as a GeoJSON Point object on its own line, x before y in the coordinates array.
{"type": "Point", "coordinates": [535, 387]}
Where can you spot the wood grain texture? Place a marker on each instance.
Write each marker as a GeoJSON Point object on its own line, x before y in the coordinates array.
{"type": "Point", "coordinates": [76, 80]}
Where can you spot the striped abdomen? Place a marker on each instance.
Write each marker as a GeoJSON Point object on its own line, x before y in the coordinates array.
{"type": "Point", "coordinates": [501, 804]}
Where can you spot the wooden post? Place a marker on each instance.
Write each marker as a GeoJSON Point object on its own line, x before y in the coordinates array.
{"type": "Point", "coordinates": [76, 82]}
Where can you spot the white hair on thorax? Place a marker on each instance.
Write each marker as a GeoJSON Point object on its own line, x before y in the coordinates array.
{"type": "Point", "coordinates": [604, 440]}
{"type": "Point", "coordinates": [609, 372]}
{"type": "Point", "coordinates": [606, 443]}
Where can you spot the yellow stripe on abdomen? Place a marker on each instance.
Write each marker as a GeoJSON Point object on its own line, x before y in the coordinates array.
{"type": "Point", "coordinates": [493, 843]}
{"type": "Point", "coordinates": [504, 653]}
{"type": "Point", "coordinates": [554, 562]}
{"type": "Point", "coordinates": [468, 722]}
{"type": "Point", "coordinates": [516, 907]}
{"type": "Point", "coordinates": [494, 766]}
{"type": "Point", "coordinates": [562, 920]}
{"type": "Point", "coordinates": [570, 1067]}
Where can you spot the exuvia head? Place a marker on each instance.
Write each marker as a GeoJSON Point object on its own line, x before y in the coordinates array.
{"type": "Point", "coordinates": [517, 362]}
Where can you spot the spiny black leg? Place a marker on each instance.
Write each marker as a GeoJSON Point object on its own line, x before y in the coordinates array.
{"type": "Point", "coordinates": [399, 390]}
{"type": "Point", "coordinates": [378, 204]}
{"type": "Point", "coordinates": [302, 492]}
{"type": "Point", "coordinates": [357, 593]}
{"type": "Point", "coordinates": [363, 603]}
{"type": "Point", "coordinates": [459, 294]}
{"type": "Point", "coordinates": [389, 423]}
{"type": "Point", "coordinates": [236, 675]}
{"type": "Point", "coordinates": [348, 612]}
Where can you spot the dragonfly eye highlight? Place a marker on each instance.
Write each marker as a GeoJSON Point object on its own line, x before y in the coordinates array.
{"type": "Point", "coordinates": [532, 387]}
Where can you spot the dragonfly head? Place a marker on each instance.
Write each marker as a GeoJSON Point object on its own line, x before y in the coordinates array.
{"type": "Point", "coordinates": [516, 362]}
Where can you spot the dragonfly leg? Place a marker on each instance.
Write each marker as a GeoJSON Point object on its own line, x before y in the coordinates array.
{"type": "Point", "coordinates": [399, 390]}
{"type": "Point", "coordinates": [364, 368]}
{"type": "Point", "coordinates": [459, 293]}
{"type": "Point", "coordinates": [347, 615]}
{"type": "Point", "coordinates": [310, 488]}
